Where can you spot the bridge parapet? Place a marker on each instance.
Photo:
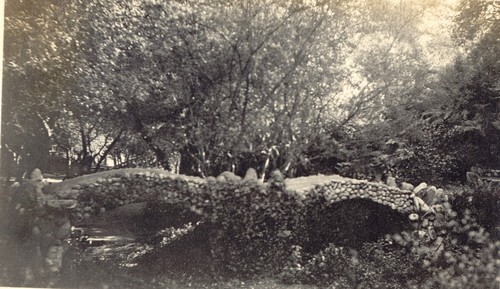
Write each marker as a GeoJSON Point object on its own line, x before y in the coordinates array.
{"type": "Point", "coordinates": [335, 189]}
{"type": "Point", "coordinates": [97, 193]}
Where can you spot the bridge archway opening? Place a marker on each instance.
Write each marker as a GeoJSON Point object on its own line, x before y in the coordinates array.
{"type": "Point", "coordinates": [351, 223]}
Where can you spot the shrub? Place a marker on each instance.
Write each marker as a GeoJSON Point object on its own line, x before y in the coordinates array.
{"type": "Point", "coordinates": [331, 266]}
{"type": "Point", "coordinates": [483, 205]}
{"type": "Point", "coordinates": [469, 258]}
{"type": "Point", "coordinates": [380, 264]}
{"type": "Point", "coordinates": [463, 254]}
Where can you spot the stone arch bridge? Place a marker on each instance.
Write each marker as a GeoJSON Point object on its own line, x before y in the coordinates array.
{"type": "Point", "coordinates": [99, 192]}
{"type": "Point", "coordinates": [56, 207]}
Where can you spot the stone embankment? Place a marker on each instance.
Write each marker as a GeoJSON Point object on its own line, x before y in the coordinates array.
{"type": "Point", "coordinates": [38, 224]}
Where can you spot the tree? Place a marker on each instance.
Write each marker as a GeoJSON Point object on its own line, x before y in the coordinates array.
{"type": "Point", "coordinates": [47, 95]}
{"type": "Point", "coordinates": [37, 75]}
{"type": "Point", "coordinates": [226, 86]}
{"type": "Point", "coordinates": [217, 81]}
{"type": "Point", "coordinates": [387, 69]}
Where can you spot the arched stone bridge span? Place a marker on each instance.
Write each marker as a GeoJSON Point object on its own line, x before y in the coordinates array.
{"type": "Point", "coordinates": [107, 190]}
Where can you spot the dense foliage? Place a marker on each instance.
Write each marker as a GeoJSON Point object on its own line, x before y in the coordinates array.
{"type": "Point", "coordinates": [205, 86]}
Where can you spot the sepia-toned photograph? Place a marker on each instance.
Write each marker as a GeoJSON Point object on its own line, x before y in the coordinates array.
{"type": "Point", "coordinates": [251, 144]}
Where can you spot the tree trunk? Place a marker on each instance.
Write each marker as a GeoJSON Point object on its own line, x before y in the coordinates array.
{"type": "Point", "coordinates": [103, 157]}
